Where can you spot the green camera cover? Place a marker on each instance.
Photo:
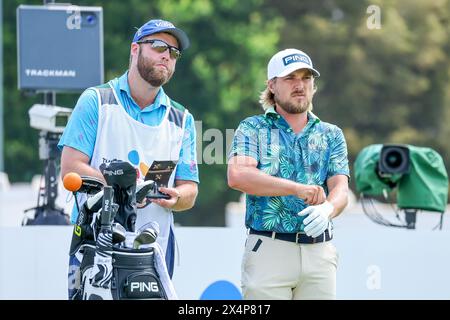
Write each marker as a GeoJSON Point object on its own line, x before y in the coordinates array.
{"type": "Point", "coordinates": [424, 187]}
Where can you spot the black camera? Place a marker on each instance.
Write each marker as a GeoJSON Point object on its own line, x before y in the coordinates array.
{"type": "Point", "coordinates": [394, 159]}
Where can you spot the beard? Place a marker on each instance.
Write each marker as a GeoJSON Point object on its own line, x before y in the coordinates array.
{"type": "Point", "coordinates": [155, 77]}
{"type": "Point", "coordinates": [293, 108]}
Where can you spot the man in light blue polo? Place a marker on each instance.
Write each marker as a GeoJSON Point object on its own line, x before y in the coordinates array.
{"type": "Point", "coordinates": [294, 169]}
{"type": "Point", "coordinates": [132, 119]}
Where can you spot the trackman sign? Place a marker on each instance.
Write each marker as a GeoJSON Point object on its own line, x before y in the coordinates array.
{"type": "Point", "coordinates": [50, 73]}
{"type": "Point", "coordinates": [296, 57]}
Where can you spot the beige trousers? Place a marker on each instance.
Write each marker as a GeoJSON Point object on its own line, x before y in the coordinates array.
{"type": "Point", "coordinates": [277, 269]}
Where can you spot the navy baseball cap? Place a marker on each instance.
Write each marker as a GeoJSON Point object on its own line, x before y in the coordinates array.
{"type": "Point", "coordinates": [158, 25]}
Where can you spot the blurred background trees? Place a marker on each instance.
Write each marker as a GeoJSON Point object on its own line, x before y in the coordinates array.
{"type": "Point", "coordinates": [379, 85]}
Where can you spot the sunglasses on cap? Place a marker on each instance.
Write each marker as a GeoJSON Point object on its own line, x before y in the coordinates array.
{"type": "Point", "coordinates": [161, 46]}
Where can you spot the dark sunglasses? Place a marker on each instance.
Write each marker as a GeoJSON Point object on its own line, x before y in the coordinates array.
{"type": "Point", "coordinates": [161, 46]}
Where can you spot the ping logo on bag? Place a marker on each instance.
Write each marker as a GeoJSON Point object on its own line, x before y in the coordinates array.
{"type": "Point", "coordinates": [144, 287]}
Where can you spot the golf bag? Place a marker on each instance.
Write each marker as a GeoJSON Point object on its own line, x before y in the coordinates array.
{"type": "Point", "coordinates": [133, 276]}
{"type": "Point", "coordinates": [109, 270]}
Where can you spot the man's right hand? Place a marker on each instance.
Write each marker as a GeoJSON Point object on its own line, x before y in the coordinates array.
{"type": "Point", "coordinates": [311, 194]}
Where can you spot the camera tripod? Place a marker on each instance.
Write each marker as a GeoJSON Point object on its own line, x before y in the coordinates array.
{"type": "Point", "coordinates": [46, 211]}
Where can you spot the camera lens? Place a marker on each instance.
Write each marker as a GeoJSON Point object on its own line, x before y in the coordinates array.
{"type": "Point", "coordinates": [394, 159]}
{"type": "Point", "coordinates": [90, 19]}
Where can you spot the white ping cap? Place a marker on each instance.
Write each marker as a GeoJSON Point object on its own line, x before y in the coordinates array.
{"type": "Point", "coordinates": [287, 61]}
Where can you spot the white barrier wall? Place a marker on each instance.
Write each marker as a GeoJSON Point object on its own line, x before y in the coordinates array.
{"type": "Point", "coordinates": [374, 262]}
{"type": "Point", "coordinates": [33, 262]}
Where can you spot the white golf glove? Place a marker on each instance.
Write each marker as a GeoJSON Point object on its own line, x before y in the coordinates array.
{"type": "Point", "coordinates": [318, 218]}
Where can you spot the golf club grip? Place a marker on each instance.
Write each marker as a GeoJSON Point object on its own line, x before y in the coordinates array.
{"type": "Point", "coordinates": [107, 206]}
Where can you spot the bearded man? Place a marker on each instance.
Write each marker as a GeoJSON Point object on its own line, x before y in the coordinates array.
{"type": "Point", "coordinates": [293, 168]}
{"type": "Point", "coordinates": [131, 118]}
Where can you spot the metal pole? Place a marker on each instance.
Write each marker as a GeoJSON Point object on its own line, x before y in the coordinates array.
{"type": "Point", "coordinates": [50, 172]}
{"type": "Point", "coordinates": [410, 218]}
{"type": "Point", "coordinates": [49, 97]}
{"type": "Point", "coordinates": [2, 163]}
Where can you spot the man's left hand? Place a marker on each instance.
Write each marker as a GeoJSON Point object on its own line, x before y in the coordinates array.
{"type": "Point", "coordinates": [318, 218]}
{"type": "Point", "coordinates": [168, 203]}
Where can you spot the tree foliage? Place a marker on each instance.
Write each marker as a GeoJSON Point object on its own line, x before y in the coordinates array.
{"type": "Point", "coordinates": [379, 85]}
{"type": "Point", "coordinates": [386, 85]}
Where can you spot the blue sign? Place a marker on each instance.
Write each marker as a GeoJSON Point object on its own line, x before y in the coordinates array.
{"type": "Point", "coordinates": [221, 290]}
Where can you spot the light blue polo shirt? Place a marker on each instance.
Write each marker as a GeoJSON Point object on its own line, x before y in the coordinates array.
{"type": "Point", "coordinates": [81, 130]}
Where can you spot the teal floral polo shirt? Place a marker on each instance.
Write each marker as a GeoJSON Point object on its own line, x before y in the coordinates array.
{"type": "Point", "coordinates": [312, 156]}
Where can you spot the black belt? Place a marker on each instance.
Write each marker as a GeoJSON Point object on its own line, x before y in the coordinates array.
{"type": "Point", "coordinates": [299, 237]}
